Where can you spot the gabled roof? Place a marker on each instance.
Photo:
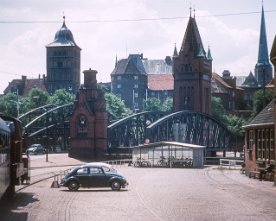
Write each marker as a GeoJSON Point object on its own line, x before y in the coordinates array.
{"type": "Point", "coordinates": [250, 81]}
{"type": "Point", "coordinates": [264, 118]}
{"type": "Point", "coordinates": [219, 79]}
{"type": "Point", "coordinates": [33, 83]}
{"type": "Point", "coordinates": [132, 65]}
{"type": "Point", "coordinates": [160, 82]}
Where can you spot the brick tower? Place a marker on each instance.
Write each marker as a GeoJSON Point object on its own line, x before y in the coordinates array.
{"type": "Point", "coordinates": [88, 123]}
{"type": "Point", "coordinates": [192, 71]}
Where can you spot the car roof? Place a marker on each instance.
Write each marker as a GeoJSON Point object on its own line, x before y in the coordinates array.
{"type": "Point", "coordinates": [99, 164]}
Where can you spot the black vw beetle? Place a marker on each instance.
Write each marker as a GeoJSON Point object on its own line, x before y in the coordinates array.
{"type": "Point", "coordinates": [93, 175]}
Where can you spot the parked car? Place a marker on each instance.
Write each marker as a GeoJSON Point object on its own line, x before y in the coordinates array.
{"type": "Point", "coordinates": [93, 175]}
{"type": "Point", "coordinates": [35, 149]}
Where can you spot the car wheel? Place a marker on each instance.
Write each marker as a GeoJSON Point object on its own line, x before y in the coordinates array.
{"type": "Point", "coordinates": [115, 185]}
{"type": "Point", "coordinates": [73, 185]}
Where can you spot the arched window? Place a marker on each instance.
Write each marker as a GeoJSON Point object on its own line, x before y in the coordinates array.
{"type": "Point", "coordinates": [82, 125]}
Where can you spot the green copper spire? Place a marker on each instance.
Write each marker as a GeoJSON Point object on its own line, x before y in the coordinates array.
{"type": "Point", "coordinates": [263, 51]}
{"type": "Point", "coordinates": [209, 56]}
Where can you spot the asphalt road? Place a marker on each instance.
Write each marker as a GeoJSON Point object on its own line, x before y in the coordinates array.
{"type": "Point", "coordinates": [155, 194]}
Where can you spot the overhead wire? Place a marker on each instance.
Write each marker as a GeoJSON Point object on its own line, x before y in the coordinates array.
{"type": "Point", "coordinates": [133, 20]}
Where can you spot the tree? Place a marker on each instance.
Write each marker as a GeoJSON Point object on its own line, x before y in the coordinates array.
{"type": "Point", "coordinates": [37, 98]}
{"type": "Point", "coordinates": [115, 107]}
{"type": "Point", "coordinates": [151, 104]}
{"type": "Point", "coordinates": [232, 122]}
{"type": "Point", "coordinates": [61, 97]}
{"type": "Point", "coordinates": [167, 105]}
{"type": "Point", "coordinates": [218, 111]}
{"type": "Point", "coordinates": [259, 102]}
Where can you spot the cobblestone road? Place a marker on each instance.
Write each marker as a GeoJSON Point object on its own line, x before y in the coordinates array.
{"type": "Point", "coordinates": [153, 194]}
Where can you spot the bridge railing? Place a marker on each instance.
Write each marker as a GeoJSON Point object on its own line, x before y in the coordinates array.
{"type": "Point", "coordinates": [230, 163]}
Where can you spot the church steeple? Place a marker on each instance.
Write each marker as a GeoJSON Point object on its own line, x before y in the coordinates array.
{"type": "Point", "coordinates": [263, 68]}
{"type": "Point", "coordinates": [263, 50]}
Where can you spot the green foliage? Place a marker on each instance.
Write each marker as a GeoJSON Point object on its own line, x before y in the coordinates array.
{"type": "Point", "coordinates": [218, 111]}
{"type": "Point", "coordinates": [116, 107]}
{"type": "Point", "coordinates": [38, 98]}
{"type": "Point", "coordinates": [232, 122]}
{"type": "Point", "coordinates": [154, 104]}
{"type": "Point", "coordinates": [151, 104]}
{"type": "Point", "coordinates": [259, 102]}
{"type": "Point", "coordinates": [61, 97]}
{"type": "Point", "coordinates": [167, 105]}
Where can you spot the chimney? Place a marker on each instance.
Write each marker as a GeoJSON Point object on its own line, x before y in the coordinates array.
{"type": "Point", "coordinates": [90, 80]}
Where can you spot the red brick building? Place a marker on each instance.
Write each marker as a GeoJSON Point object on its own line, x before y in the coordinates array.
{"type": "Point", "coordinates": [88, 123]}
{"type": "Point", "coordinates": [192, 71]}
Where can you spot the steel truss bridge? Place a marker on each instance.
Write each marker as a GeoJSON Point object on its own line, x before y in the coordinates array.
{"type": "Point", "coordinates": [183, 126]}
{"type": "Point", "coordinates": [49, 124]}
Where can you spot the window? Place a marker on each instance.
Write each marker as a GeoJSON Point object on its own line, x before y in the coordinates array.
{"type": "Point", "coordinates": [135, 85]}
{"type": "Point", "coordinates": [135, 77]}
{"type": "Point", "coordinates": [94, 170]}
{"type": "Point", "coordinates": [82, 171]}
{"type": "Point", "coordinates": [119, 77]}
{"type": "Point", "coordinates": [119, 86]}
{"type": "Point", "coordinates": [251, 140]}
{"type": "Point", "coordinates": [136, 94]}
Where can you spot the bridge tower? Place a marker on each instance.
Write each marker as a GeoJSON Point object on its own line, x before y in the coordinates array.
{"type": "Point", "coordinates": [88, 123]}
{"type": "Point", "coordinates": [192, 71]}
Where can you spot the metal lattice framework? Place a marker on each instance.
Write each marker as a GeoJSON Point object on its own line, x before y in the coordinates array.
{"type": "Point", "coordinates": [190, 127]}
{"type": "Point", "coordinates": [50, 122]}
{"type": "Point", "coordinates": [131, 131]}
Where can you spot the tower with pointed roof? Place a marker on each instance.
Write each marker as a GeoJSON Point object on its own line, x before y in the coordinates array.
{"type": "Point", "coordinates": [263, 68]}
{"type": "Point", "coordinates": [63, 62]}
{"type": "Point", "coordinates": [129, 81]}
{"type": "Point", "coordinates": [192, 71]}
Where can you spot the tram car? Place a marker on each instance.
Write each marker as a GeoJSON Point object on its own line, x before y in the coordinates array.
{"type": "Point", "coordinates": [13, 166]}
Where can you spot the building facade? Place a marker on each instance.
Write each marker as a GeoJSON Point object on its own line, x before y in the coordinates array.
{"type": "Point", "coordinates": [192, 71]}
{"type": "Point", "coordinates": [88, 123]}
{"type": "Point", "coordinates": [63, 62]}
{"type": "Point", "coordinates": [129, 81]}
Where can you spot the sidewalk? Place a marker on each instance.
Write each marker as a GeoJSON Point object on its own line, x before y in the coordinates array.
{"type": "Point", "coordinates": [60, 159]}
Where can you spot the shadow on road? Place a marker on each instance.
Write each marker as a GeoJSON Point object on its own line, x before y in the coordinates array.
{"type": "Point", "coordinates": [10, 209]}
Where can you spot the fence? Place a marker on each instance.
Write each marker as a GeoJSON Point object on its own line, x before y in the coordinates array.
{"type": "Point", "coordinates": [230, 164]}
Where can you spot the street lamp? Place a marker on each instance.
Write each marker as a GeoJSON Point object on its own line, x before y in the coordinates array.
{"type": "Point", "coordinates": [263, 72]}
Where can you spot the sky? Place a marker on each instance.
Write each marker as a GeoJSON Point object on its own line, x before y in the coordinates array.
{"type": "Point", "coordinates": [104, 29]}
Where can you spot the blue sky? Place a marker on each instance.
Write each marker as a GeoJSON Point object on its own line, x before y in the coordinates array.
{"type": "Point", "coordinates": [233, 39]}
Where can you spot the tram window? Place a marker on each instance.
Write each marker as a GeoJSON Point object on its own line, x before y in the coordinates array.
{"type": "Point", "coordinates": [11, 125]}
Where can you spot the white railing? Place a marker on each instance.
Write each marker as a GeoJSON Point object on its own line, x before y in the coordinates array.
{"type": "Point", "coordinates": [230, 164]}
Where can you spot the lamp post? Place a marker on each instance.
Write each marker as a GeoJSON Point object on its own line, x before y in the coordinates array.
{"type": "Point", "coordinates": [264, 100]}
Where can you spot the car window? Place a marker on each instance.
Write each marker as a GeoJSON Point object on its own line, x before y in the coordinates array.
{"type": "Point", "coordinates": [109, 169]}
{"type": "Point", "coordinates": [82, 171]}
{"type": "Point", "coordinates": [96, 170]}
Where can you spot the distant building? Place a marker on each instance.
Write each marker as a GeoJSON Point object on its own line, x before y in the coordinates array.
{"type": "Point", "coordinates": [160, 86]}
{"type": "Point", "coordinates": [192, 71]}
{"type": "Point", "coordinates": [226, 89]}
{"type": "Point", "coordinates": [63, 62]}
{"type": "Point", "coordinates": [263, 68]}
{"type": "Point", "coordinates": [23, 86]}
{"type": "Point", "coordinates": [129, 81]}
